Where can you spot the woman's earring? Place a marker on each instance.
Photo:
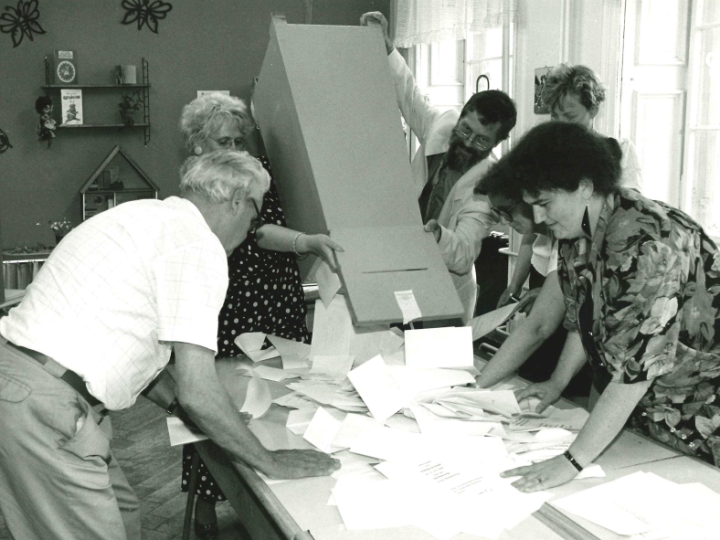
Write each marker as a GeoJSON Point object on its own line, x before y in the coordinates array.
{"type": "Point", "coordinates": [197, 150]}
{"type": "Point", "coordinates": [586, 222]}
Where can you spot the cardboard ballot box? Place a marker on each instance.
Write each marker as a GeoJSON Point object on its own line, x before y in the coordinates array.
{"type": "Point", "coordinates": [330, 122]}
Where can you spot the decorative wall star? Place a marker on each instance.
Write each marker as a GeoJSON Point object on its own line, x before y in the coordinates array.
{"type": "Point", "coordinates": [21, 21]}
{"type": "Point", "coordinates": [145, 12]}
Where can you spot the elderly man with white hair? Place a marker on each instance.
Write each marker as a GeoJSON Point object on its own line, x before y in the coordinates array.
{"type": "Point", "coordinates": [94, 330]}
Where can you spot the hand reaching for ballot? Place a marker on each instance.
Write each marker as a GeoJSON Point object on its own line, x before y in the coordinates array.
{"type": "Point", "coordinates": [288, 464]}
{"type": "Point", "coordinates": [320, 245]}
{"type": "Point", "coordinates": [377, 18]}
{"type": "Point", "coordinates": [548, 392]}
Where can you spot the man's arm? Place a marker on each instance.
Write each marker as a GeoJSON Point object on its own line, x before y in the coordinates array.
{"type": "Point", "coordinates": [546, 315]}
{"type": "Point", "coordinates": [208, 405]}
{"type": "Point", "coordinates": [415, 108]}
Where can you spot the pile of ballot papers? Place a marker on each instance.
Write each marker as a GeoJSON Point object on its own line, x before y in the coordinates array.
{"type": "Point", "coordinates": [419, 443]}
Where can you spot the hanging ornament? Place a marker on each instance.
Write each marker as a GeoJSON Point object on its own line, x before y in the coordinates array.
{"type": "Point", "coordinates": [21, 21]}
{"type": "Point", "coordinates": [145, 12]}
{"type": "Point", "coordinates": [4, 141]}
{"type": "Point", "coordinates": [47, 126]}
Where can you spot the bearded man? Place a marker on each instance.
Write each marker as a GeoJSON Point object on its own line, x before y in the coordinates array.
{"type": "Point", "coordinates": [455, 153]}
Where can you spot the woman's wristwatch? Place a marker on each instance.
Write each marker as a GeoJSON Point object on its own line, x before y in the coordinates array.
{"type": "Point", "coordinates": [572, 461]}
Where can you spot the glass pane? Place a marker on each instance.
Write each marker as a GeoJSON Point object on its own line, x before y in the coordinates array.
{"type": "Point", "coordinates": [493, 42]}
{"type": "Point", "coordinates": [707, 90]}
{"type": "Point", "coordinates": [446, 60]}
{"type": "Point", "coordinates": [662, 40]}
{"type": "Point", "coordinates": [705, 169]}
{"type": "Point", "coordinates": [659, 150]}
{"type": "Point", "coordinates": [708, 11]}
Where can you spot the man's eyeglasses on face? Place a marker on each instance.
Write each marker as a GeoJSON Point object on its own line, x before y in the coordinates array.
{"type": "Point", "coordinates": [504, 213]}
{"type": "Point", "coordinates": [229, 142]}
{"type": "Point", "coordinates": [480, 142]}
{"type": "Point", "coordinates": [257, 221]}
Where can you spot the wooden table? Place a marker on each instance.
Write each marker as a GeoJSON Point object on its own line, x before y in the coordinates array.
{"type": "Point", "coordinates": [298, 509]}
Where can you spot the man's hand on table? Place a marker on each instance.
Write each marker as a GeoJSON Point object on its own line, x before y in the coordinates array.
{"type": "Point", "coordinates": [543, 475]}
{"type": "Point", "coordinates": [289, 464]}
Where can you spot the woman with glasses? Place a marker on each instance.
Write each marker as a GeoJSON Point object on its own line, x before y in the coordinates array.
{"type": "Point", "coordinates": [574, 95]}
{"type": "Point", "coordinates": [265, 292]}
{"type": "Point", "coordinates": [534, 346]}
{"type": "Point", "coordinates": [641, 285]}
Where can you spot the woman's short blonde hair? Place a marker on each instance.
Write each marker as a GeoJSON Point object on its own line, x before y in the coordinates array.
{"type": "Point", "coordinates": [579, 80]}
{"type": "Point", "coordinates": [207, 114]}
{"type": "Point", "coordinates": [218, 175]}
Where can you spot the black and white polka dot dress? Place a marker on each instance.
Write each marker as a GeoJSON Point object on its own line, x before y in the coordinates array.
{"type": "Point", "coordinates": [264, 295]}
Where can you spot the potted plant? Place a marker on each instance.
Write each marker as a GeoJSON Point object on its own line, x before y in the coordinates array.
{"type": "Point", "coordinates": [129, 105]}
{"type": "Point", "coordinates": [60, 228]}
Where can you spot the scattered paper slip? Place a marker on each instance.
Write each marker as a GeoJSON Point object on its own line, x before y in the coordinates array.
{"type": "Point", "coordinates": [328, 281]}
{"type": "Point", "coordinates": [377, 388]}
{"type": "Point", "coordinates": [484, 324]}
{"type": "Point", "coordinates": [335, 367]}
{"type": "Point", "coordinates": [293, 400]}
{"type": "Point", "coordinates": [352, 427]}
{"type": "Point", "coordinates": [408, 306]}
{"type": "Point", "coordinates": [332, 328]}
{"type": "Point", "coordinates": [250, 343]}
{"type": "Point", "coordinates": [289, 347]}
{"type": "Point", "coordinates": [439, 347]}
{"type": "Point", "coordinates": [271, 374]}
{"type": "Point", "coordinates": [299, 419]}
{"type": "Point", "coordinates": [322, 430]}
{"type": "Point", "coordinates": [181, 433]}
{"type": "Point", "coordinates": [258, 398]}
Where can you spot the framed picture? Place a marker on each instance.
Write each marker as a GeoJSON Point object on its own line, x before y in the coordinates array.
{"type": "Point", "coordinates": [540, 76]}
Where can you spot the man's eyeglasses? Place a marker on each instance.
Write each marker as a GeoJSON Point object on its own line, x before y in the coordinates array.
{"type": "Point", "coordinates": [480, 142]}
{"type": "Point", "coordinates": [257, 221]}
{"type": "Point", "coordinates": [504, 213]}
{"type": "Point", "coordinates": [229, 142]}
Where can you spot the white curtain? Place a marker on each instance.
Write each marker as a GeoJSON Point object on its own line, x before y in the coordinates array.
{"type": "Point", "coordinates": [425, 21]}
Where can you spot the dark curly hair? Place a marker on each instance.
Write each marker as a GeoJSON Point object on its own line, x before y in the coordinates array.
{"type": "Point", "coordinates": [499, 180]}
{"type": "Point", "coordinates": [494, 106]}
{"type": "Point", "coordinates": [555, 156]}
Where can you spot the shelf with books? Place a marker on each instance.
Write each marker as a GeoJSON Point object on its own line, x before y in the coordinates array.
{"type": "Point", "coordinates": [71, 101]}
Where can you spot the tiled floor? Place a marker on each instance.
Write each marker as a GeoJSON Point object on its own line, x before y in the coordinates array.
{"type": "Point", "coordinates": [153, 469]}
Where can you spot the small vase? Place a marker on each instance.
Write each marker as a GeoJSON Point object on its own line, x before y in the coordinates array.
{"type": "Point", "coordinates": [59, 237]}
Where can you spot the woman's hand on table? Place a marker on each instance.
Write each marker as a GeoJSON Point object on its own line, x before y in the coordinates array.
{"type": "Point", "coordinates": [547, 392]}
{"type": "Point", "coordinates": [320, 245]}
{"type": "Point", "coordinates": [289, 464]}
{"type": "Point", "coordinates": [543, 475]}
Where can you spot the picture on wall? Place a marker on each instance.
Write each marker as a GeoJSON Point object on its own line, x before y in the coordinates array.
{"type": "Point", "coordinates": [540, 76]}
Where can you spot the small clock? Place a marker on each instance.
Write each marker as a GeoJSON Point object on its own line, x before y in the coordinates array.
{"type": "Point", "coordinates": [62, 68]}
{"type": "Point", "coordinates": [65, 72]}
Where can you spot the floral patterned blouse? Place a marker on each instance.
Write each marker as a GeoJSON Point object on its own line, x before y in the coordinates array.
{"type": "Point", "coordinates": [644, 294]}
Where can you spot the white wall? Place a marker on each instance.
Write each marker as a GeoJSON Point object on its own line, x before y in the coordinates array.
{"type": "Point", "coordinates": [575, 31]}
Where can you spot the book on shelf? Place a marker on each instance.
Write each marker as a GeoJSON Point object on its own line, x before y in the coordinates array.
{"type": "Point", "coordinates": [72, 107]}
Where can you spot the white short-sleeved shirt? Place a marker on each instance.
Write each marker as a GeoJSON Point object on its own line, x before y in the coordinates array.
{"type": "Point", "coordinates": [118, 290]}
{"type": "Point", "coordinates": [545, 250]}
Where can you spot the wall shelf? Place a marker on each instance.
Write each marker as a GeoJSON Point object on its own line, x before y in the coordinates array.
{"type": "Point", "coordinates": [140, 90]}
{"type": "Point", "coordinates": [120, 126]}
{"type": "Point", "coordinates": [59, 86]}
